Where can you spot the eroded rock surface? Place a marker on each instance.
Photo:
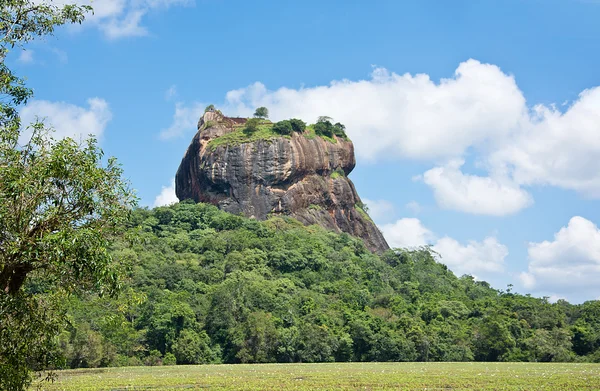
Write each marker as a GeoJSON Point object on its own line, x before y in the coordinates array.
{"type": "Point", "coordinates": [294, 176]}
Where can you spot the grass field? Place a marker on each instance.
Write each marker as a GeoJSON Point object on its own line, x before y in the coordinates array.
{"type": "Point", "coordinates": [338, 376]}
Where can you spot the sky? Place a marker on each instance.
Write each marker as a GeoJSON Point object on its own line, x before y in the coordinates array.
{"type": "Point", "coordinates": [476, 124]}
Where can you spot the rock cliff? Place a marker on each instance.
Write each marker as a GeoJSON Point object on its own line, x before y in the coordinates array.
{"type": "Point", "coordinates": [299, 176]}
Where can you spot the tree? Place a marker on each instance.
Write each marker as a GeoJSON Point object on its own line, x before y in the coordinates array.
{"type": "Point", "coordinates": [283, 127]}
{"type": "Point", "coordinates": [252, 125]}
{"type": "Point", "coordinates": [60, 204]}
{"type": "Point", "coordinates": [261, 112]}
{"type": "Point", "coordinates": [298, 125]}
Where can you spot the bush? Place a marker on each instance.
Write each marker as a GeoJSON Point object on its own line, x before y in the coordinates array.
{"type": "Point", "coordinates": [252, 125]}
{"type": "Point", "coordinates": [324, 128]}
{"type": "Point", "coordinates": [169, 359]}
{"type": "Point", "coordinates": [153, 359]}
{"type": "Point", "coordinates": [298, 125]}
{"type": "Point", "coordinates": [283, 127]}
{"type": "Point", "coordinates": [339, 130]}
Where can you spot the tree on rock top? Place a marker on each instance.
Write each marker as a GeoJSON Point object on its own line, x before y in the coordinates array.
{"type": "Point", "coordinates": [261, 112]}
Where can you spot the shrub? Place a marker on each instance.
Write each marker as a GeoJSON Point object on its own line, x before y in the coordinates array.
{"type": "Point", "coordinates": [339, 130]}
{"type": "Point", "coordinates": [283, 127]}
{"type": "Point", "coordinates": [324, 128]}
{"type": "Point", "coordinates": [252, 125]}
{"type": "Point", "coordinates": [153, 359]}
{"type": "Point", "coordinates": [298, 125]}
{"type": "Point", "coordinates": [209, 108]}
{"type": "Point", "coordinates": [169, 359]}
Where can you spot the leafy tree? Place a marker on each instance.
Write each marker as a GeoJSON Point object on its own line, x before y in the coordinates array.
{"type": "Point", "coordinates": [324, 128]}
{"type": "Point", "coordinates": [283, 127]}
{"type": "Point", "coordinates": [192, 348]}
{"type": "Point", "coordinates": [252, 125]}
{"type": "Point", "coordinates": [210, 107]}
{"type": "Point", "coordinates": [59, 207]}
{"type": "Point", "coordinates": [298, 125]}
{"type": "Point", "coordinates": [261, 112]}
{"type": "Point", "coordinates": [339, 130]}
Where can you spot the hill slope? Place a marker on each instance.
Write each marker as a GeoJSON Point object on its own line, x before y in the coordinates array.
{"type": "Point", "coordinates": [209, 286]}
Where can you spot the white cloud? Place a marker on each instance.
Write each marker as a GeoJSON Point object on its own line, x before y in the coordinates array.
{"type": "Point", "coordinates": [121, 18]}
{"type": "Point", "coordinates": [407, 232]}
{"type": "Point", "coordinates": [69, 120]}
{"type": "Point", "coordinates": [555, 148]}
{"type": "Point", "coordinates": [380, 210]}
{"type": "Point", "coordinates": [167, 195]}
{"type": "Point", "coordinates": [569, 265]}
{"type": "Point", "coordinates": [484, 259]}
{"type": "Point", "coordinates": [26, 56]}
{"type": "Point", "coordinates": [185, 120]}
{"type": "Point", "coordinates": [476, 258]}
{"type": "Point", "coordinates": [403, 115]}
{"type": "Point", "coordinates": [475, 194]}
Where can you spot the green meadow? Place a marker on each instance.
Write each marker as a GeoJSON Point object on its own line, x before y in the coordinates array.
{"type": "Point", "coordinates": [335, 376]}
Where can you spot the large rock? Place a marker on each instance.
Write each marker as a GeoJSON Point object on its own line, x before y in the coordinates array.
{"type": "Point", "coordinates": [294, 176]}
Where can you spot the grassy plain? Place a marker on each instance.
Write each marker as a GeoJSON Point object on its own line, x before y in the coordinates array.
{"type": "Point", "coordinates": [336, 376]}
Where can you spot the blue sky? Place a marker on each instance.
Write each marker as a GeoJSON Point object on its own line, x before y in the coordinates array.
{"type": "Point", "coordinates": [476, 123]}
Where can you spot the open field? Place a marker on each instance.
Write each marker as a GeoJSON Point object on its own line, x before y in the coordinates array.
{"type": "Point", "coordinates": [337, 376]}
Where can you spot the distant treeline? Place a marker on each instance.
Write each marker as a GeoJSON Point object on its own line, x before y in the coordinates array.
{"type": "Point", "coordinates": [206, 286]}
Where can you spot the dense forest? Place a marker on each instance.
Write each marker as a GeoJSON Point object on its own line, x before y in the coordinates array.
{"type": "Point", "coordinates": [205, 286]}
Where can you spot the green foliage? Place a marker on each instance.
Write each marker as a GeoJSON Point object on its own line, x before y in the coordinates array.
{"type": "Point", "coordinates": [261, 112]}
{"type": "Point", "coordinates": [263, 131]}
{"type": "Point", "coordinates": [283, 127]}
{"type": "Point", "coordinates": [325, 128]}
{"type": "Point", "coordinates": [337, 173]}
{"type": "Point", "coordinates": [210, 124]}
{"type": "Point", "coordinates": [210, 107]}
{"type": "Point", "coordinates": [60, 207]}
{"type": "Point", "coordinates": [252, 125]}
{"type": "Point", "coordinates": [298, 125]}
{"type": "Point", "coordinates": [214, 287]}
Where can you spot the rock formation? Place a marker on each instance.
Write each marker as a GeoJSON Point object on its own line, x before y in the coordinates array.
{"type": "Point", "coordinates": [298, 176]}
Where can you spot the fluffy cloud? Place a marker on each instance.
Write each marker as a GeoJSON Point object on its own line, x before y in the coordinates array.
{"type": "Point", "coordinates": [403, 115]}
{"type": "Point", "coordinates": [475, 194]}
{"type": "Point", "coordinates": [69, 120]}
{"type": "Point", "coordinates": [121, 18]}
{"type": "Point", "coordinates": [167, 195]}
{"type": "Point", "coordinates": [482, 259]}
{"type": "Point", "coordinates": [555, 148]}
{"type": "Point", "coordinates": [407, 232]}
{"type": "Point", "coordinates": [569, 265]}
{"type": "Point", "coordinates": [185, 120]}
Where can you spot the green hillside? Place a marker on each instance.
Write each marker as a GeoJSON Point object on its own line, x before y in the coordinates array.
{"type": "Point", "coordinates": [205, 286]}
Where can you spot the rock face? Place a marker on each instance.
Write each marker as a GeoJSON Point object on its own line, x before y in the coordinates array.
{"type": "Point", "coordinates": [294, 176]}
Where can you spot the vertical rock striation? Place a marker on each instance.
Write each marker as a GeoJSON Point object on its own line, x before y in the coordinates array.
{"type": "Point", "coordinates": [298, 176]}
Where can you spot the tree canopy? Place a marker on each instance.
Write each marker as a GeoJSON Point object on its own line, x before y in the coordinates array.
{"type": "Point", "coordinates": [261, 112]}
{"type": "Point", "coordinates": [214, 287]}
{"type": "Point", "coordinates": [61, 204]}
